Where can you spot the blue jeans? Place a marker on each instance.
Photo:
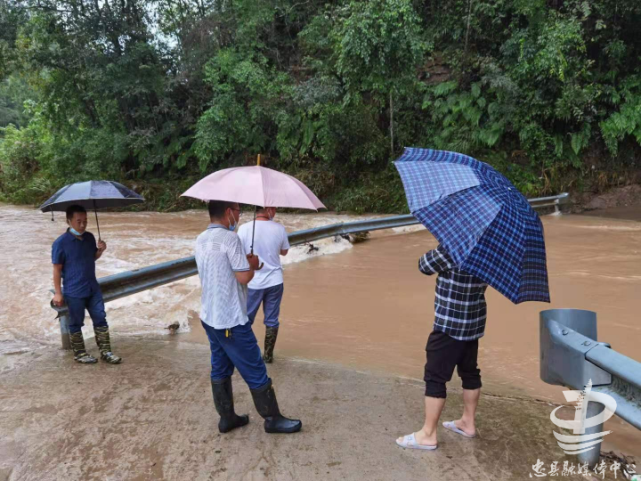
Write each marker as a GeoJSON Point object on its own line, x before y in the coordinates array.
{"type": "Point", "coordinates": [236, 347]}
{"type": "Point", "coordinates": [270, 298]}
{"type": "Point", "coordinates": [77, 305]}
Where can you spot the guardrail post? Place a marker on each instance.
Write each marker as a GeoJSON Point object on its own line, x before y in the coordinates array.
{"type": "Point", "coordinates": [563, 362]}
{"type": "Point", "coordinates": [592, 456]}
{"type": "Point", "coordinates": [64, 332]}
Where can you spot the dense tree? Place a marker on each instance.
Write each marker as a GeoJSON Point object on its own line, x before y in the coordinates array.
{"type": "Point", "coordinates": [157, 93]}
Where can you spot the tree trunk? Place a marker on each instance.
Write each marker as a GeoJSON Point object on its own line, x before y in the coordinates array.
{"type": "Point", "coordinates": [391, 123]}
{"type": "Point", "coordinates": [467, 31]}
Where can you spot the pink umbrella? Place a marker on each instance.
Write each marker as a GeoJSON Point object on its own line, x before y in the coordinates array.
{"type": "Point", "coordinates": [255, 185]}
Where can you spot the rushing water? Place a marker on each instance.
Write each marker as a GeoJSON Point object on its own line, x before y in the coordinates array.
{"type": "Point", "coordinates": [365, 306]}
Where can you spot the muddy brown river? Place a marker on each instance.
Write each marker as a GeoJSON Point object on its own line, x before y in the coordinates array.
{"type": "Point", "coordinates": [364, 306]}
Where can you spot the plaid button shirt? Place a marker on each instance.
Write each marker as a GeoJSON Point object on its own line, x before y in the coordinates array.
{"type": "Point", "coordinates": [459, 307]}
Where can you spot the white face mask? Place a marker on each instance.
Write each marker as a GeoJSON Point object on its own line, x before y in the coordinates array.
{"type": "Point", "coordinates": [75, 232]}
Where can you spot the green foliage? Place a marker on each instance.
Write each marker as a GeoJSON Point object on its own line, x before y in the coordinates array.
{"type": "Point", "coordinates": [377, 193]}
{"type": "Point", "coordinates": [11, 20]}
{"type": "Point", "coordinates": [245, 93]}
{"type": "Point", "coordinates": [14, 93]}
{"type": "Point", "coordinates": [327, 91]}
{"type": "Point", "coordinates": [376, 43]}
{"type": "Point", "coordinates": [626, 121]}
{"type": "Point", "coordinates": [21, 154]}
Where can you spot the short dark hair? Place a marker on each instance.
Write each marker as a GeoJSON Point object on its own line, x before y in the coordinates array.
{"type": "Point", "coordinates": [217, 208]}
{"type": "Point", "coordinates": [72, 209]}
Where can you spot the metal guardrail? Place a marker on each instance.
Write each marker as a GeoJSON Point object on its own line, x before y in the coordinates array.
{"type": "Point", "coordinates": [309, 235]}
{"type": "Point", "coordinates": [554, 201]}
{"type": "Point", "coordinates": [571, 356]}
{"type": "Point", "coordinates": [131, 282]}
{"type": "Point", "coordinates": [345, 228]}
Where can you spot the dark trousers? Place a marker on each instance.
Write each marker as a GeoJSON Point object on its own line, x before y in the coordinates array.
{"type": "Point", "coordinates": [236, 348]}
{"type": "Point", "coordinates": [93, 304]}
{"type": "Point", "coordinates": [270, 298]}
{"type": "Point", "coordinates": [444, 353]}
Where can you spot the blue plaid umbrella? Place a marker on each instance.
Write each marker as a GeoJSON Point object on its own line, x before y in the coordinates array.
{"type": "Point", "coordinates": [480, 218]}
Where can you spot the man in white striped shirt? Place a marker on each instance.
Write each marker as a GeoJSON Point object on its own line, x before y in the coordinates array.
{"type": "Point", "coordinates": [460, 314]}
{"type": "Point", "coordinates": [224, 272]}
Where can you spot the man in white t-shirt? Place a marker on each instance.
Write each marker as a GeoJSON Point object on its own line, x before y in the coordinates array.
{"type": "Point", "coordinates": [266, 288]}
{"type": "Point", "coordinates": [225, 270]}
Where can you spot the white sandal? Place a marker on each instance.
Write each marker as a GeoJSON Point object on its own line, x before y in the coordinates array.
{"type": "Point", "coordinates": [449, 425]}
{"type": "Point", "coordinates": [409, 442]}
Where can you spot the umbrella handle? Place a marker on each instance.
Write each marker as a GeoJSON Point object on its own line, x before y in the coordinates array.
{"type": "Point", "coordinates": [97, 223]}
{"type": "Point", "coordinates": [254, 225]}
{"type": "Point", "coordinates": [254, 231]}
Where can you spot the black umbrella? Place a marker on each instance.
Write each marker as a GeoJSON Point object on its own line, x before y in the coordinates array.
{"type": "Point", "coordinates": [94, 194]}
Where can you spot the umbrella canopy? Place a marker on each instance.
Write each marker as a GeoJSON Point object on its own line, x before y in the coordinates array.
{"type": "Point", "coordinates": [482, 220]}
{"type": "Point", "coordinates": [255, 185]}
{"type": "Point", "coordinates": [94, 194]}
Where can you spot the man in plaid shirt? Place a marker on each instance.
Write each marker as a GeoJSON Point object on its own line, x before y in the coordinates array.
{"type": "Point", "coordinates": [460, 313]}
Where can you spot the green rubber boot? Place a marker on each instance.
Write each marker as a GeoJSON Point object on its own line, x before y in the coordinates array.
{"type": "Point", "coordinates": [104, 344]}
{"type": "Point", "coordinates": [271, 333]}
{"type": "Point", "coordinates": [79, 352]}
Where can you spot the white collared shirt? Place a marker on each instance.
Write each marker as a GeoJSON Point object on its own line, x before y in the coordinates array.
{"type": "Point", "coordinates": [219, 254]}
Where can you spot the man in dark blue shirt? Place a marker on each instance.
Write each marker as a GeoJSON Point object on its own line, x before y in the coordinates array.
{"type": "Point", "coordinates": [74, 256]}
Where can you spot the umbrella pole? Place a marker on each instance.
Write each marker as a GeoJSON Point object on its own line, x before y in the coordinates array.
{"type": "Point", "coordinates": [255, 210]}
{"type": "Point", "coordinates": [95, 211]}
{"type": "Point", "coordinates": [253, 229]}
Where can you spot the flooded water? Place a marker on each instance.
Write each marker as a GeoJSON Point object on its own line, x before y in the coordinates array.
{"type": "Point", "coordinates": [134, 240]}
{"type": "Point", "coordinates": [365, 306]}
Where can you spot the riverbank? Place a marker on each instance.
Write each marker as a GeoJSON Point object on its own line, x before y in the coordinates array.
{"type": "Point", "coordinates": [153, 418]}
{"type": "Point", "coordinates": [383, 195]}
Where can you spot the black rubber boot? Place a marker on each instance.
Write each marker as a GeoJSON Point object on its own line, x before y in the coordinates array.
{"type": "Point", "coordinates": [224, 401]}
{"type": "Point", "coordinates": [79, 352]}
{"type": "Point", "coordinates": [271, 333]}
{"type": "Point", "coordinates": [104, 345]}
{"type": "Point", "coordinates": [267, 407]}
